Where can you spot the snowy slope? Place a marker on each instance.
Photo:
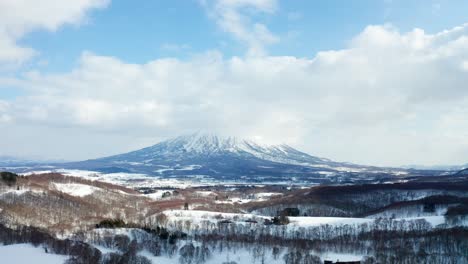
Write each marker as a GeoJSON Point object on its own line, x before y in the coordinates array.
{"type": "Point", "coordinates": [197, 217]}
{"type": "Point", "coordinates": [75, 189]}
{"type": "Point", "coordinates": [208, 145]}
{"type": "Point", "coordinates": [226, 158]}
{"type": "Point", "coordinates": [27, 254]}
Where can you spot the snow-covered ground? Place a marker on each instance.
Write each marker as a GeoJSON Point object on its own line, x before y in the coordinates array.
{"type": "Point", "coordinates": [266, 195]}
{"type": "Point", "coordinates": [306, 221]}
{"type": "Point", "coordinates": [316, 221]}
{"type": "Point", "coordinates": [75, 189]}
{"type": "Point", "coordinates": [238, 200]}
{"type": "Point", "coordinates": [256, 197]}
{"type": "Point", "coordinates": [433, 220]}
{"type": "Point", "coordinates": [132, 180]}
{"type": "Point", "coordinates": [14, 191]}
{"type": "Point", "coordinates": [227, 254]}
{"type": "Point", "coordinates": [105, 250]}
{"type": "Point", "coordinates": [28, 254]}
{"type": "Point", "coordinates": [137, 180]}
{"type": "Point", "coordinates": [205, 193]}
{"type": "Point", "coordinates": [239, 256]}
{"type": "Point", "coordinates": [410, 211]}
{"type": "Point", "coordinates": [158, 194]}
{"type": "Point", "coordinates": [333, 256]}
{"type": "Point", "coordinates": [197, 217]}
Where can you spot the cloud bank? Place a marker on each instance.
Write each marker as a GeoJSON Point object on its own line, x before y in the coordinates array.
{"type": "Point", "coordinates": [19, 17]}
{"type": "Point", "coordinates": [389, 98]}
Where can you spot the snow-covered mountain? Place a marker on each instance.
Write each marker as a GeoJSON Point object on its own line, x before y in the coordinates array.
{"type": "Point", "coordinates": [210, 145]}
{"type": "Point", "coordinates": [210, 156]}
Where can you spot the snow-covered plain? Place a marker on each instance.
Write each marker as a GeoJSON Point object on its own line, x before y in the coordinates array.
{"type": "Point", "coordinates": [132, 180]}
{"type": "Point", "coordinates": [28, 254]}
{"type": "Point", "coordinates": [138, 180]}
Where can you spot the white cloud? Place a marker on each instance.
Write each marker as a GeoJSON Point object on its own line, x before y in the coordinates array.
{"type": "Point", "coordinates": [19, 17]}
{"type": "Point", "coordinates": [464, 66]}
{"type": "Point", "coordinates": [234, 17]}
{"type": "Point", "coordinates": [389, 98]}
{"type": "Point", "coordinates": [4, 116]}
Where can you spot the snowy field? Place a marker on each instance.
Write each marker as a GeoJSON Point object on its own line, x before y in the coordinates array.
{"type": "Point", "coordinates": [158, 194]}
{"type": "Point", "coordinates": [198, 217]}
{"type": "Point", "coordinates": [132, 180]}
{"type": "Point", "coordinates": [137, 180]}
{"type": "Point", "coordinates": [28, 254]}
{"type": "Point", "coordinates": [75, 189]}
{"type": "Point", "coordinates": [239, 256]}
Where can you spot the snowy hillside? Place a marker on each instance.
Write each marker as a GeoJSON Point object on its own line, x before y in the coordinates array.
{"type": "Point", "coordinates": [209, 145]}
{"type": "Point", "coordinates": [207, 156]}
{"type": "Point", "coordinates": [26, 254]}
{"type": "Point", "coordinates": [105, 223]}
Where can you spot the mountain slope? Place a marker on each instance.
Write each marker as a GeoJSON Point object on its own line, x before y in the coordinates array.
{"type": "Point", "coordinates": [210, 146]}
{"type": "Point", "coordinates": [209, 156]}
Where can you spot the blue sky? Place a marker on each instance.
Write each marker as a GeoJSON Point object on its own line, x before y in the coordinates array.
{"type": "Point", "coordinates": [153, 29]}
{"type": "Point", "coordinates": [88, 78]}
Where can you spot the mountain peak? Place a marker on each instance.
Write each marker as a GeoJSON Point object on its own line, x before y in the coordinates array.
{"type": "Point", "coordinates": [210, 144]}
{"type": "Point", "coordinates": [207, 154]}
{"type": "Point", "coordinates": [202, 142]}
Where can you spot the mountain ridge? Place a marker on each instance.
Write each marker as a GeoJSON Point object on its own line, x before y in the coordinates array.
{"type": "Point", "coordinates": [211, 144]}
{"type": "Point", "coordinates": [211, 157]}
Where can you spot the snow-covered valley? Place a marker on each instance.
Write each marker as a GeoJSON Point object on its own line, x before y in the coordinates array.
{"type": "Point", "coordinates": [137, 218]}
